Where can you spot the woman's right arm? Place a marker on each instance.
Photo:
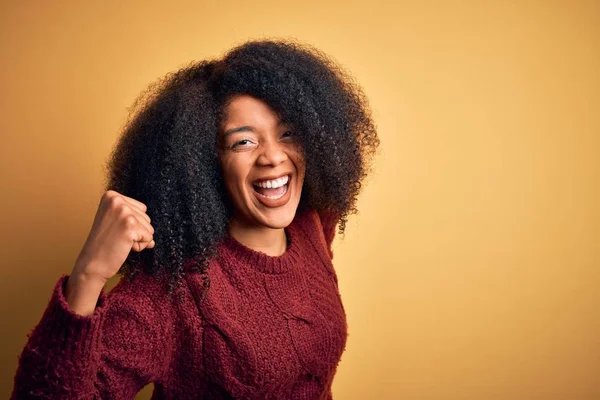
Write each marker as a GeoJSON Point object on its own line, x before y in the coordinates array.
{"type": "Point", "coordinates": [88, 344]}
{"type": "Point", "coordinates": [110, 354]}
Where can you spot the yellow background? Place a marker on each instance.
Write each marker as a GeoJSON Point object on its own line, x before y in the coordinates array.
{"type": "Point", "coordinates": [472, 270]}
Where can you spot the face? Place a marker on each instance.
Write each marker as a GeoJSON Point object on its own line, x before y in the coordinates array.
{"type": "Point", "coordinates": [262, 163]}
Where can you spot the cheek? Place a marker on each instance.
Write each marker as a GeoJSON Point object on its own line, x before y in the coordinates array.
{"type": "Point", "coordinates": [234, 172]}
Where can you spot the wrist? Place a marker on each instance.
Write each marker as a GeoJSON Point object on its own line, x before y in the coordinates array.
{"type": "Point", "coordinates": [82, 293]}
{"type": "Point", "coordinates": [84, 272]}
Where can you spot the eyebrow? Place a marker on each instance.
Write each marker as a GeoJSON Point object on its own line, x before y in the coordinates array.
{"type": "Point", "coordinates": [246, 128]}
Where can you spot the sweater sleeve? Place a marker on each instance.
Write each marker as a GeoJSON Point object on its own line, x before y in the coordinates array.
{"type": "Point", "coordinates": [112, 353]}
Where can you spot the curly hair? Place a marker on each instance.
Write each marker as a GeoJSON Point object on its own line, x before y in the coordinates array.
{"type": "Point", "coordinates": [167, 158]}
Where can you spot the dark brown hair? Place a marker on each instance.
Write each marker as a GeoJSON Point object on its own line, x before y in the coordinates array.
{"type": "Point", "coordinates": [167, 154]}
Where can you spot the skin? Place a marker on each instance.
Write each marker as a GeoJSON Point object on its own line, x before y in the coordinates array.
{"type": "Point", "coordinates": [267, 148]}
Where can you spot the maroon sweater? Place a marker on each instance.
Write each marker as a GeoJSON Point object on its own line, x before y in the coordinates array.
{"type": "Point", "coordinates": [269, 328]}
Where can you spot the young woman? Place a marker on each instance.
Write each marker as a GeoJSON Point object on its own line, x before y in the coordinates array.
{"type": "Point", "coordinates": [221, 204]}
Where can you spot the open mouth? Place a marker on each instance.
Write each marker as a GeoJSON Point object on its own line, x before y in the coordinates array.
{"type": "Point", "coordinates": [274, 189]}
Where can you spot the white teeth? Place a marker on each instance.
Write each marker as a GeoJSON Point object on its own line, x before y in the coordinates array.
{"type": "Point", "coordinates": [275, 183]}
{"type": "Point", "coordinates": [285, 189]}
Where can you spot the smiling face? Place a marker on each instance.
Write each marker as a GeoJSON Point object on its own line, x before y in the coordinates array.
{"type": "Point", "coordinates": [262, 163]}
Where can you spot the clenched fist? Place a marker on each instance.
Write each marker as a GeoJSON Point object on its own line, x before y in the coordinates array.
{"type": "Point", "coordinates": [120, 225]}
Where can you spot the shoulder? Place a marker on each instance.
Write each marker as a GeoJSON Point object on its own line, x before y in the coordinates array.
{"type": "Point", "coordinates": [329, 221]}
{"type": "Point", "coordinates": [319, 224]}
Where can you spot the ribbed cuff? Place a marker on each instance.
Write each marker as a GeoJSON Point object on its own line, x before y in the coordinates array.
{"type": "Point", "coordinates": [66, 334]}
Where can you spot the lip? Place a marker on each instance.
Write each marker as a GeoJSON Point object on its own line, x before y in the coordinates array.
{"type": "Point", "coordinates": [275, 203]}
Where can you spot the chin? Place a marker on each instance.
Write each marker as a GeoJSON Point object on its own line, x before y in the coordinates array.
{"type": "Point", "coordinates": [281, 220]}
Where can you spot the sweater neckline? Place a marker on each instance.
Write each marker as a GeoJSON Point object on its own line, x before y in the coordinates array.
{"type": "Point", "coordinates": [262, 262]}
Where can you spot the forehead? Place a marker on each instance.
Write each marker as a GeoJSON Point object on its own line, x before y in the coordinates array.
{"type": "Point", "coordinates": [248, 110]}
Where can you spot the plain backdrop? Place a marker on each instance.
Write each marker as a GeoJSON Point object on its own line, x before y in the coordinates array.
{"type": "Point", "coordinates": [472, 269]}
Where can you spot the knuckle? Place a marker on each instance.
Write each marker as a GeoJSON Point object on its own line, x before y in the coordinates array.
{"type": "Point", "coordinates": [115, 202]}
{"type": "Point", "coordinates": [130, 221]}
{"type": "Point", "coordinates": [122, 209]}
{"type": "Point", "coordinates": [110, 194]}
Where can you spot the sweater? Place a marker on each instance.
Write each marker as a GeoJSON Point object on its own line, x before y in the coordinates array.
{"type": "Point", "coordinates": [269, 328]}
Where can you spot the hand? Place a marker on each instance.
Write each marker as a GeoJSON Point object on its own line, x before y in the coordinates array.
{"type": "Point", "coordinates": [120, 225]}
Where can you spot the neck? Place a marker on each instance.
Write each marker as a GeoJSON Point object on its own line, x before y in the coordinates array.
{"type": "Point", "coordinates": [270, 241]}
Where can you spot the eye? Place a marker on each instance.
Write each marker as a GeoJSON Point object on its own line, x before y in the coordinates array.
{"type": "Point", "coordinates": [242, 142]}
{"type": "Point", "coordinates": [289, 133]}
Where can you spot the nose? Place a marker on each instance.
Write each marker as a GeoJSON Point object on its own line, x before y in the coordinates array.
{"type": "Point", "coordinates": [273, 153]}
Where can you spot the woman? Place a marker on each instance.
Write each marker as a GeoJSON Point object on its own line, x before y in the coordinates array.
{"type": "Point", "coordinates": [232, 174]}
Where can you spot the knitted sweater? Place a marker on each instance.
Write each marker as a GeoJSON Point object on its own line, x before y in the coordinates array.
{"type": "Point", "coordinates": [269, 328]}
